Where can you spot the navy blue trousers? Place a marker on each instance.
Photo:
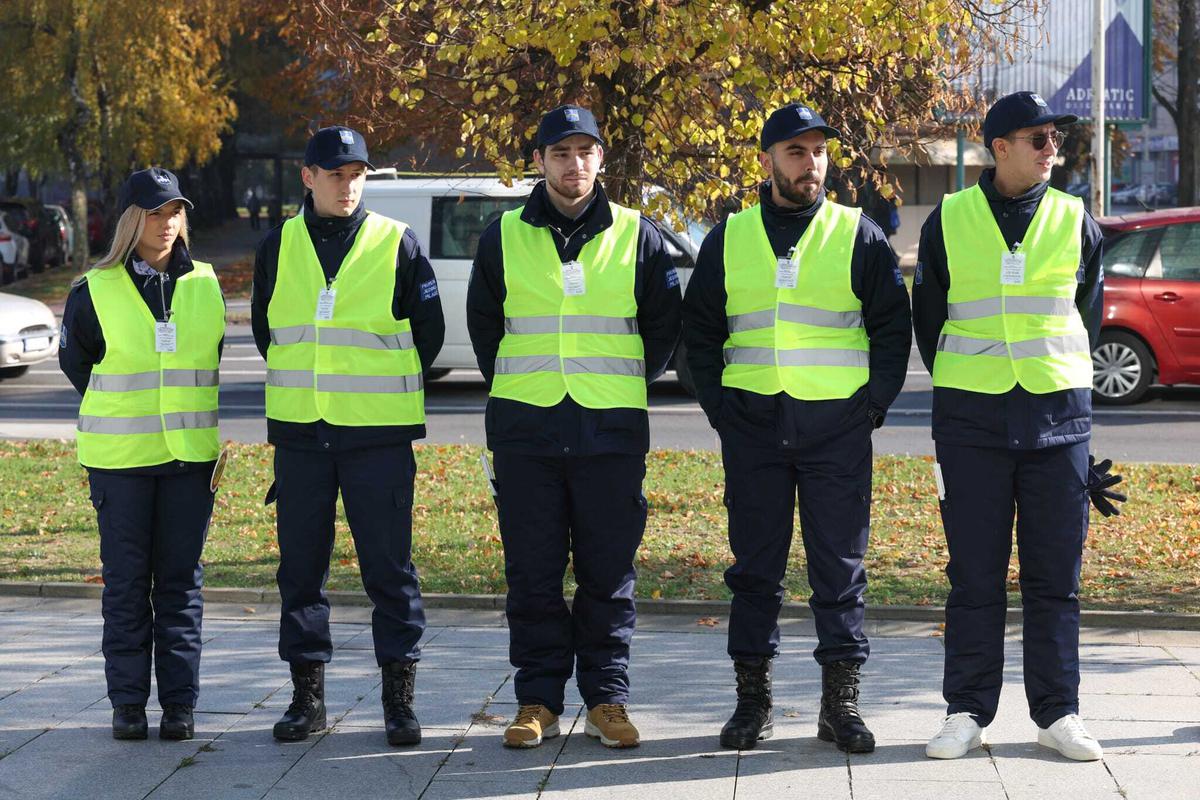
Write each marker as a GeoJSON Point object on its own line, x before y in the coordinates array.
{"type": "Point", "coordinates": [377, 489]}
{"type": "Point", "coordinates": [1047, 492]}
{"type": "Point", "coordinates": [832, 481]}
{"type": "Point", "coordinates": [152, 531]}
{"type": "Point", "coordinates": [589, 510]}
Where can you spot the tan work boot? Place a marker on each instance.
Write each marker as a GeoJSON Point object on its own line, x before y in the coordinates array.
{"type": "Point", "coordinates": [533, 723]}
{"type": "Point", "coordinates": [609, 722]}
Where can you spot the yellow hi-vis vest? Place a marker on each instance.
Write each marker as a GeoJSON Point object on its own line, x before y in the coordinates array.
{"type": "Point", "coordinates": [584, 345]}
{"type": "Point", "coordinates": [143, 408]}
{"type": "Point", "coordinates": [359, 368]}
{"type": "Point", "coordinates": [997, 335]}
{"type": "Point", "coordinates": [808, 341]}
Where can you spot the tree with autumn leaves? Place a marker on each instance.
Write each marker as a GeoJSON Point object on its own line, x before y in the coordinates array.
{"type": "Point", "coordinates": [680, 87]}
{"type": "Point", "coordinates": [94, 88]}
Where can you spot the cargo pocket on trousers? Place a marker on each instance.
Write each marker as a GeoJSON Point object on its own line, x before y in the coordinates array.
{"type": "Point", "coordinates": [272, 494]}
{"type": "Point", "coordinates": [862, 528]}
{"type": "Point", "coordinates": [97, 498]}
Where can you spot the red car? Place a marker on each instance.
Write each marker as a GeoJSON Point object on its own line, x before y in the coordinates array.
{"type": "Point", "coordinates": [1151, 329]}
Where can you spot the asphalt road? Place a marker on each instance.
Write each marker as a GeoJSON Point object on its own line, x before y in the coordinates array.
{"type": "Point", "coordinates": [42, 404]}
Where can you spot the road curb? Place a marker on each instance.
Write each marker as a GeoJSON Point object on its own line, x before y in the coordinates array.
{"type": "Point", "coordinates": [1094, 618]}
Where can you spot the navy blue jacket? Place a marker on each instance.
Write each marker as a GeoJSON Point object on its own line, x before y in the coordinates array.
{"type": "Point", "coordinates": [568, 428]}
{"type": "Point", "coordinates": [415, 298]}
{"type": "Point", "coordinates": [1016, 419]}
{"type": "Point", "coordinates": [781, 420]}
{"type": "Point", "coordinates": [81, 343]}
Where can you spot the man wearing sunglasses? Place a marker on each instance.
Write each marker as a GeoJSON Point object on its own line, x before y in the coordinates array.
{"type": "Point", "coordinates": [1007, 302]}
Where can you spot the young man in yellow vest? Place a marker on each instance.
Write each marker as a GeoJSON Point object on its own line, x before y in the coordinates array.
{"type": "Point", "coordinates": [573, 308]}
{"type": "Point", "coordinates": [1007, 303]}
{"type": "Point", "coordinates": [345, 309]}
{"type": "Point", "coordinates": [797, 328]}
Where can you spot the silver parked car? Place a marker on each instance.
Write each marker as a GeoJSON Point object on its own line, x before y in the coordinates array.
{"type": "Point", "coordinates": [28, 334]}
{"type": "Point", "coordinates": [14, 252]}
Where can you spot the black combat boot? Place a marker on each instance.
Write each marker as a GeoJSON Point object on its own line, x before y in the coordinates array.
{"type": "Point", "coordinates": [399, 682]}
{"type": "Point", "coordinates": [840, 721]}
{"type": "Point", "coordinates": [306, 714]}
{"type": "Point", "coordinates": [752, 719]}
{"type": "Point", "coordinates": [129, 722]}
{"type": "Point", "coordinates": [177, 723]}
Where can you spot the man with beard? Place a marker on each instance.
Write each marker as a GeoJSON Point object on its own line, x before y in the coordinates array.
{"type": "Point", "coordinates": [573, 309]}
{"type": "Point", "coordinates": [797, 329]}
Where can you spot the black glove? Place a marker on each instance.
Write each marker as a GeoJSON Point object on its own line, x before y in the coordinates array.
{"type": "Point", "coordinates": [1098, 484]}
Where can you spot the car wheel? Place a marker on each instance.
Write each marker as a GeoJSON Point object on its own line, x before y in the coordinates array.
{"type": "Point", "coordinates": [13, 372]}
{"type": "Point", "coordinates": [682, 371]}
{"type": "Point", "coordinates": [1123, 369]}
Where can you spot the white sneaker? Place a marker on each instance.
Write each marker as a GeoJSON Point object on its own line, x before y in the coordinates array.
{"type": "Point", "coordinates": [1070, 738]}
{"type": "Point", "coordinates": [959, 735]}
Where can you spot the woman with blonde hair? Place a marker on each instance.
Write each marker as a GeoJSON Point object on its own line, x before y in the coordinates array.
{"type": "Point", "coordinates": [141, 341]}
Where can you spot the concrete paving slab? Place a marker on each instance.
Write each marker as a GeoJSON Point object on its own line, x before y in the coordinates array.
{"type": "Point", "coordinates": [1154, 777]}
{"type": "Point", "coordinates": [1147, 738]}
{"type": "Point", "coordinates": [1137, 679]}
{"type": "Point", "coordinates": [1029, 770]}
{"type": "Point", "coordinates": [791, 765]}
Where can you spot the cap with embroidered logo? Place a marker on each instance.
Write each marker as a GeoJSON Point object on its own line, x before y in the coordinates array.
{"type": "Point", "coordinates": [332, 147]}
{"type": "Point", "coordinates": [567, 121]}
{"type": "Point", "coordinates": [791, 121]}
{"type": "Point", "coordinates": [150, 189]}
{"type": "Point", "coordinates": [1020, 110]}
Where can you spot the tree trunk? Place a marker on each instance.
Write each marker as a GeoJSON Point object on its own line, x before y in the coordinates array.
{"type": "Point", "coordinates": [69, 145]}
{"type": "Point", "coordinates": [12, 179]}
{"type": "Point", "coordinates": [1187, 117]}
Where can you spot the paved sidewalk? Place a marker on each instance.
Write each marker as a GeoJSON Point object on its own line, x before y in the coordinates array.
{"type": "Point", "coordinates": [1141, 697]}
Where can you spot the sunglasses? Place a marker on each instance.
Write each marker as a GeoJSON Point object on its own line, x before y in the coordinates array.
{"type": "Point", "coordinates": [1039, 140]}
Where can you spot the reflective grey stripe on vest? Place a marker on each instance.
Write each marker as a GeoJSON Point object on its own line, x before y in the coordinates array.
{"type": "Point", "coordinates": [605, 365]}
{"type": "Point", "coordinates": [1051, 346]}
{"type": "Point", "coordinates": [351, 337]}
{"type": "Point", "coordinates": [807, 315]}
{"type": "Point", "coordinates": [120, 425]}
{"type": "Point", "coordinates": [369, 384]}
{"type": "Point", "coordinates": [132, 382]}
{"type": "Point", "coordinates": [752, 320]}
{"type": "Point", "coordinates": [966, 346]}
{"type": "Point", "coordinates": [801, 357]}
{"type": "Point", "coordinates": [186, 420]}
{"type": "Point", "coordinates": [518, 365]}
{"type": "Point", "coordinates": [1030, 348]}
{"type": "Point", "coordinates": [571, 323]}
{"type": "Point", "coordinates": [991, 306]}
{"type": "Point", "coordinates": [295, 334]}
{"type": "Point", "coordinates": [190, 377]}
{"type": "Point", "coordinates": [290, 378]}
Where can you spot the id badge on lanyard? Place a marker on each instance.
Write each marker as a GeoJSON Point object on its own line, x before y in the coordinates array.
{"type": "Point", "coordinates": [572, 279]}
{"type": "Point", "coordinates": [325, 302]}
{"type": "Point", "coordinates": [1012, 268]}
{"type": "Point", "coordinates": [164, 337]}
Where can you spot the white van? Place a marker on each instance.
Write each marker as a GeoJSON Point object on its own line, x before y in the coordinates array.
{"type": "Point", "coordinates": [448, 216]}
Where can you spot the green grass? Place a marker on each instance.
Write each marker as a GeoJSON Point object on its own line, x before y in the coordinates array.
{"type": "Point", "coordinates": [1148, 558]}
{"type": "Point", "coordinates": [50, 286]}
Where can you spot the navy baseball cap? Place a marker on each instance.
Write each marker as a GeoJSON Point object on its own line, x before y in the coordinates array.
{"type": "Point", "coordinates": [567, 121]}
{"type": "Point", "coordinates": [793, 120]}
{"type": "Point", "coordinates": [330, 148]}
{"type": "Point", "coordinates": [1020, 110]}
{"type": "Point", "coordinates": [150, 189]}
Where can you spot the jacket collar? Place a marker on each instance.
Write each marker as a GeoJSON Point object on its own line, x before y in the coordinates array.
{"type": "Point", "coordinates": [328, 226]}
{"type": "Point", "coordinates": [179, 265]}
{"type": "Point", "coordinates": [780, 216]}
{"type": "Point", "coordinates": [994, 197]}
{"type": "Point", "coordinates": [541, 213]}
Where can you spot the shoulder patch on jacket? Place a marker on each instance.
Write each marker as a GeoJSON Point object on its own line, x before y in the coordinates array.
{"type": "Point", "coordinates": [672, 278]}
{"type": "Point", "coordinates": [919, 275]}
{"type": "Point", "coordinates": [429, 290]}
